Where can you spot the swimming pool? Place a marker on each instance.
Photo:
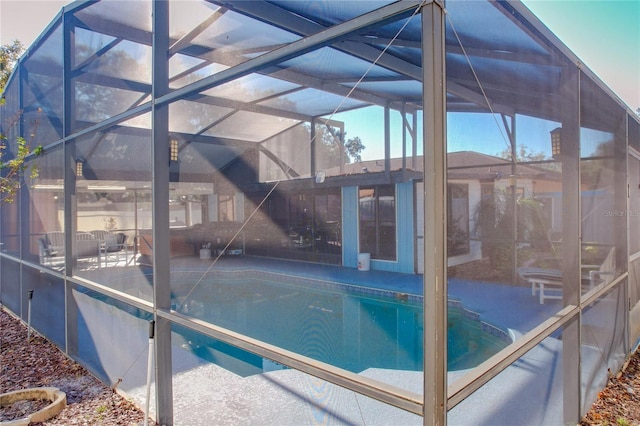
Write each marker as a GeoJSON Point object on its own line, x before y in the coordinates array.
{"type": "Point", "coordinates": [335, 323]}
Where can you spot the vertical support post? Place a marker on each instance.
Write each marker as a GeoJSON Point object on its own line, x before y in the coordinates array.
{"type": "Point", "coordinates": [342, 141]}
{"type": "Point", "coordinates": [571, 220]}
{"type": "Point", "coordinates": [21, 194]}
{"type": "Point", "coordinates": [620, 150]}
{"type": "Point", "coordinates": [69, 195]}
{"type": "Point", "coordinates": [312, 149]}
{"type": "Point", "coordinates": [160, 212]}
{"type": "Point", "coordinates": [435, 259]}
{"type": "Point", "coordinates": [387, 143]}
{"type": "Point", "coordinates": [403, 112]}
{"type": "Point", "coordinates": [414, 137]}
{"type": "Point", "coordinates": [623, 181]}
{"type": "Point", "coordinates": [69, 148]}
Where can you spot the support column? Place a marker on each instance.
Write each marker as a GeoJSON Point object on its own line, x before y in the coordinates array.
{"type": "Point", "coordinates": [160, 213]}
{"type": "Point", "coordinates": [312, 149]}
{"type": "Point", "coordinates": [621, 192]}
{"type": "Point", "coordinates": [69, 195]}
{"type": "Point", "coordinates": [571, 220]}
{"type": "Point", "coordinates": [387, 143]}
{"type": "Point", "coordinates": [435, 186]}
{"type": "Point", "coordinates": [414, 137]}
{"type": "Point", "coordinates": [403, 113]}
{"type": "Point", "coordinates": [22, 200]}
{"type": "Point", "coordinates": [622, 233]}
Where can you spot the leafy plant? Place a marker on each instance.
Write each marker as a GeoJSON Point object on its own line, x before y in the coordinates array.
{"type": "Point", "coordinates": [17, 167]}
{"type": "Point", "coordinates": [501, 236]}
{"type": "Point", "coordinates": [13, 170]}
{"type": "Point", "coordinates": [494, 228]}
{"type": "Point", "coordinates": [9, 55]}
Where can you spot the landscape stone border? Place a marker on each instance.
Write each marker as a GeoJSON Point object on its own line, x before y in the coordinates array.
{"type": "Point", "coordinates": [56, 396]}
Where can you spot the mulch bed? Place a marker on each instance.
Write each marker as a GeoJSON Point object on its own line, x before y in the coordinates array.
{"type": "Point", "coordinates": [37, 362]}
{"type": "Point", "coordinates": [619, 403]}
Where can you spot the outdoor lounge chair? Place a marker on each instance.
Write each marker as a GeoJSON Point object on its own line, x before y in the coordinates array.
{"type": "Point", "coordinates": [114, 245]}
{"type": "Point", "coordinates": [100, 234]}
{"type": "Point", "coordinates": [46, 252]}
{"type": "Point", "coordinates": [547, 283]}
{"type": "Point", "coordinates": [88, 249]}
{"type": "Point", "coordinates": [51, 246]}
{"type": "Point", "coordinates": [55, 240]}
{"type": "Point", "coordinates": [111, 244]}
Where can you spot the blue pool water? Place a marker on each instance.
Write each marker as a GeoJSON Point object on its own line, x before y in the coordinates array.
{"type": "Point", "coordinates": [339, 326]}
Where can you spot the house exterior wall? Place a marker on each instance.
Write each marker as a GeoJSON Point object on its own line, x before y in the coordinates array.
{"type": "Point", "coordinates": [350, 226]}
{"type": "Point", "coordinates": [404, 231]}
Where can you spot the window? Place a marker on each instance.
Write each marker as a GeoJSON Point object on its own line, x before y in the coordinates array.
{"type": "Point", "coordinates": [457, 219]}
{"type": "Point", "coordinates": [378, 221]}
{"type": "Point", "coordinates": [226, 211]}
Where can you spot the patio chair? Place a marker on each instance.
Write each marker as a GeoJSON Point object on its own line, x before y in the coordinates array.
{"type": "Point", "coordinates": [109, 241]}
{"type": "Point", "coordinates": [88, 249]}
{"type": "Point", "coordinates": [100, 234]}
{"type": "Point", "coordinates": [114, 246]}
{"type": "Point", "coordinates": [84, 236]}
{"type": "Point", "coordinates": [547, 283]}
{"type": "Point", "coordinates": [46, 252]}
{"type": "Point", "coordinates": [55, 240]}
{"type": "Point", "coordinates": [52, 245]}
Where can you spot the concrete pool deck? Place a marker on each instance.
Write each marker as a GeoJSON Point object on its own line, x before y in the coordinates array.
{"type": "Point", "coordinates": [204, 392]}
{"type": "Point", "coordinates": [207, 394]}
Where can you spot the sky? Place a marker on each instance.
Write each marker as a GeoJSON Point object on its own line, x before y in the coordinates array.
{"type": "Point", "coordinates": [605, 34]}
